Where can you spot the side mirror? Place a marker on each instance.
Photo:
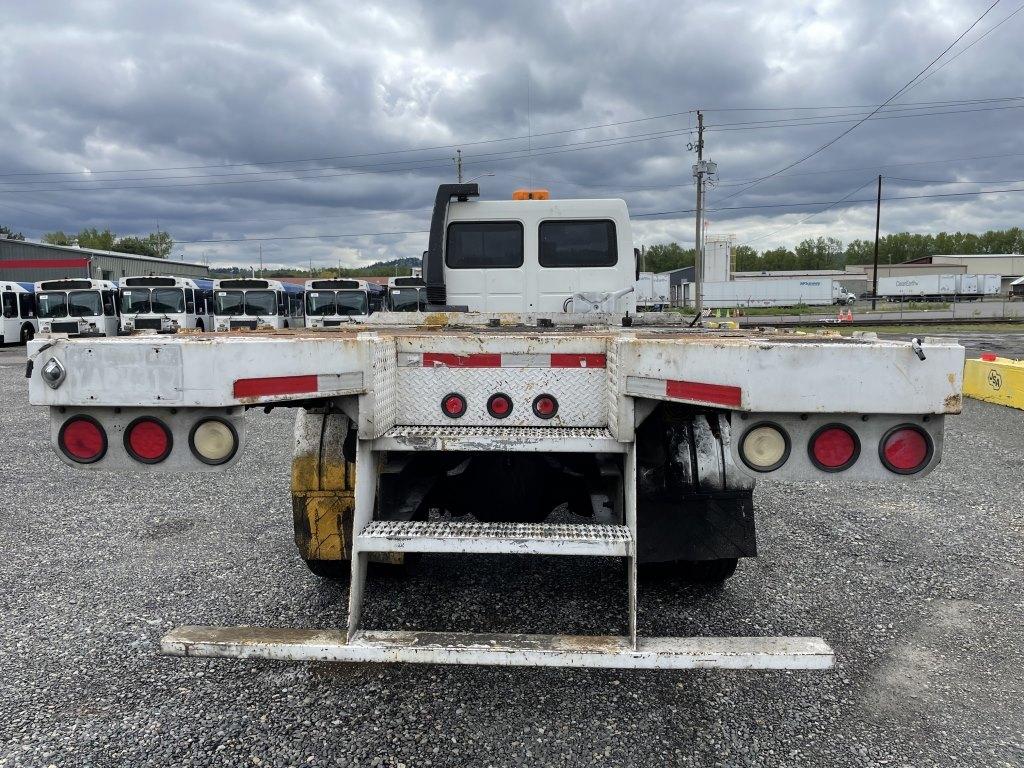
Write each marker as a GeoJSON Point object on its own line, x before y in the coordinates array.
{"type": "Point", "coordinates": [636, 261]}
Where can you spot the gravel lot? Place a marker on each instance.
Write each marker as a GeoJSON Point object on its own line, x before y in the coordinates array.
{"type": "Point", "coordinates": [919, 588]}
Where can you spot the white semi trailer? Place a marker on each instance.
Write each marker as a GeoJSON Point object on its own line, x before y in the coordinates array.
{"type": "Point", "coordinates": [653, 292]}
{"type": "Point", "coordinates": [939, 287]}
{"type": "Point", "coordinates": [813, 292]}
{"type": "Point", "coordinates": [461, 429]}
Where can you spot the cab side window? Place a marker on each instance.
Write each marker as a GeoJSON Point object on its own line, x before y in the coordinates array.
{"type": "Point", "coordinates": [484, 245]}
{"type": "Point", "coordinates": [109, 304]}
{"type": "Point", "coordinates": [578, 244]}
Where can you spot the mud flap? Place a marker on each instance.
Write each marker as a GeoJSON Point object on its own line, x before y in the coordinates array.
{"type": "Point", "coordinates": [323, 488]}
{"type": "Point", "coordinates": [692, 502]}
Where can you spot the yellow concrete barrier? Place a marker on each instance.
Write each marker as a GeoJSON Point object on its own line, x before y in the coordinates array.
{"type": "Point", "coordinates": [995, 380]}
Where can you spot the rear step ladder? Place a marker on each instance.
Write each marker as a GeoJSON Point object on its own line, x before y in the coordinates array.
{"type": "Point", "coordinates": [372, 536]}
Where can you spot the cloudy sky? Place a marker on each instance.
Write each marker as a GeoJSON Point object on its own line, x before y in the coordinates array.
{"type": "Point", "coordinates": [283, 123]}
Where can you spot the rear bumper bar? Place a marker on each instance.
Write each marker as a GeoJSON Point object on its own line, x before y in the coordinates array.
{"type": "Point", "coordinates": [501, 650]}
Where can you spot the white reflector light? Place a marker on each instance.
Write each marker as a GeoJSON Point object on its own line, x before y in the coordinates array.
{"type": "Point", "coordinates": [213, 441]}
{"type": "Point", "coordinates": [765, 447]}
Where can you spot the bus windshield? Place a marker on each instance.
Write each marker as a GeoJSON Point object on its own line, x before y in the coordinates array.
{"type": "Point", "coordinates": [228, 303]}
{"type": "Point", "coordinates": [320, 303]}
{"type": "Point", "coordinates": [407, 299]}
{"type": "Point", "coordinates": [85, 303]}
{"type": "Point", "coordinates": [260, 303]}
{"type": "Point", "coordinates": [168, 300]}
{"type": "Point", "coordinates": [52, 304]}
{"type": "Point", "coordinates": [135, 301]}
{"type": "Point", "coordinates": [351, 303]}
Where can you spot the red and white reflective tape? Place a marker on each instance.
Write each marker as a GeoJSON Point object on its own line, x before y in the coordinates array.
{"type": "Point", "coordinates": [310, 384]}
{"type": "Point", "coordinates": [500, 360]}
{"type": "Point", "coordinates": [689, 391]}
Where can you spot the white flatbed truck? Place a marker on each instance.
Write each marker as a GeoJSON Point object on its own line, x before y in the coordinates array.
{"type": "Point", "coordinates": [454, 431]}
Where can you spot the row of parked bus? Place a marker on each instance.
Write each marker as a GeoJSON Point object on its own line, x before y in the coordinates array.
{"type": "Point", "coordinates": [84, 307]}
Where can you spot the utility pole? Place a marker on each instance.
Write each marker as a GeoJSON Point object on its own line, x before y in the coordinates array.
{"type": "Point", "coordinates": [458, 164]}
{"type": "Point", "coordinates": [698, 251]}
{"type": "Point", "coordinates": [878, 219]}
{"type": "Point", "coordinates": [261, 260]}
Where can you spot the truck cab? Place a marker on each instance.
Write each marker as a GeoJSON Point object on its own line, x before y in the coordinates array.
{"type": "Point", "coordinates": [530, 254]}
{"type": "Point", "coordinates": [331, 302]}
{"type": "Point", "coordinates": [77, 307]}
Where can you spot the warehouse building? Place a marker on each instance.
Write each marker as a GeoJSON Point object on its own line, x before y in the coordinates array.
{"type": "Point", "coordinates": [30, 262]}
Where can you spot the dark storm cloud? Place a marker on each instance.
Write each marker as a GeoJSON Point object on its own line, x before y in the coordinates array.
{"type": "Point", "coordinates": [99, 86]}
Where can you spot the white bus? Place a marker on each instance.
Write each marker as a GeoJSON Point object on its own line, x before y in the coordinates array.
{"type": "Point", "coordinates": [253, 302]}
{"type": "Point", "coordinates": [337, 301]}
{"type": "Point", "coordinates": [406, 294]}
{"type": "Point", "coordinates": [19, 322]}
{"type": "Point", "coordinates": [166, 304]}
{"type": "Point", "coordinates": [77, 306]}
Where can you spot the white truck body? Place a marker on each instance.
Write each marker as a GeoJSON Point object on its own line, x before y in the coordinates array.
{"type": "Point", "coordinates": [821, 292]}
{"type": "Point", "coordinates": [653, 291]}
{"type": "Point", "coordinates": [632, 426]}
{"type": "Point", "coordinates": [165, 304]}
{"type": "Point", "coordinates": [77, 307]}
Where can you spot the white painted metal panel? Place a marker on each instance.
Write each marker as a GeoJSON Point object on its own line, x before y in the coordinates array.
{"type": "Point", "coordinates": [503, 650]}
{"type": "Point", "coordinates": [527, 439]}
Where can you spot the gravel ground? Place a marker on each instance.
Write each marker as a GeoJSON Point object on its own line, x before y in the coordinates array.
{"type": "Point", "coordinates": [919, 588]}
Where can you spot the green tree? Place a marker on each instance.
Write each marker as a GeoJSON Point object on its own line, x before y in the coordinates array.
{"type": "Point", "coordinates": [132, 244]}
{"type": "Point", "coordinates": [93, 238]}
{"type": "Point", "coordinates": [746, 259]}
{"type": "Point", "coordinates": [10, 234]}
{"type": "Point", "coordinates": [156, 244]}
{"type": "Point", "coordinates": [58, 238]}
{"type": "Point", "coordinates": [160, 244]}
{"type": "Point", "coordinates": [662, 258]}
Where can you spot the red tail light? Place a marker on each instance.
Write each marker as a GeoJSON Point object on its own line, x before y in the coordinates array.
{"type": "Point", "coordinates": [545, 406]}
{"type": "Point", "coordinates": [834, 448]}
{"type": "Point", "coordinates": [453, 405]}
{"type": "Point", "coordinates": [148, 440]}
{"type": "Point", "coordinates": [905, 449]}
{"type": "Point", "coordinates": [499, 405]}
{"type": "Point", "coordinates": [82, 439]}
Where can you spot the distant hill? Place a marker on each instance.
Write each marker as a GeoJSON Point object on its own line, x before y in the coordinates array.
{"type": "Point", "coordinates": [394, 267]}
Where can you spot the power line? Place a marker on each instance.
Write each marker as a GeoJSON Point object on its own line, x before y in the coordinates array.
{"type": "Point", "coordinates": [877, 109]}
{"type": "Point", "coordinates": [304, 237]}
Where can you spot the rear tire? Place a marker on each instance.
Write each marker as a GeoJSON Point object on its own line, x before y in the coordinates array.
{"type": "Point", "coordinates": [707, 571]}
{"type": "Point", "coordinates": [200, 326]}
{"type": "Point", "coordinates": [27, 334]}
{"type": "Point", "coordinates": [334, 570]}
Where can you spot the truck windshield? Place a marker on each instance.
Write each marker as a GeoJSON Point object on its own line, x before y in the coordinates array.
{"type": "Point", "coordinates": [260, 303]}
{"type": "Point", "coordinates": [407, 299]}
{"type": "Point", "coordinates": [228, 303]}
{"type": "Point", "coordinates": [85, 303]}
{"type": "Point", "coordinates": [168, 300]}
{"type": "Point", "coordinates": [52, 304]}
{"type": "Point", "coordinates": [320, 303]}
{"type": "Point", "coordinates": [351, 302]}
{"type": "Point", "coordinates": [134, 301]}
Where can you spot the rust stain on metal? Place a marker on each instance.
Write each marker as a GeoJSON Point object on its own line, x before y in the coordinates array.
{"type": "Point", "coordinates": [953, 403]}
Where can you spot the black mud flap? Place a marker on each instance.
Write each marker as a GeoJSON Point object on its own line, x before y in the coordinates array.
{"type": "Point", "coordinates": [692, 501]}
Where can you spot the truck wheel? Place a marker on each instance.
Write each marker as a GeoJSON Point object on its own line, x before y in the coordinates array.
{"type": "Point", "coordinates": [27, 334]}
{"type": "Point", "coordinates": [335, 570]}
{"type": "Point", "coordinates": [707, 571]}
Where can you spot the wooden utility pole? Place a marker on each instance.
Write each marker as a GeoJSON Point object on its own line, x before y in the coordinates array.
{"type": "Point", "coordinates": [458, 164]}
{"type": "Point", "coordinates": [698, 252]}
{"type": "Point", "coordinates": [878, 219]}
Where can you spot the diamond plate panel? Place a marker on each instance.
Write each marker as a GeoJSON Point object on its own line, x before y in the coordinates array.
{"type": "Point", "coordinates": [581, 394]}
{"type": "Point", "coordinates": [383, 378]}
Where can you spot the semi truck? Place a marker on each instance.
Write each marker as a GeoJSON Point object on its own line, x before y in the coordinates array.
{"type": "Point", "coordinates": [528, 410]}
{"type": "Point", "coordinates": [814, 292]}
{"type": "Point", "coordinates": [653, 292]}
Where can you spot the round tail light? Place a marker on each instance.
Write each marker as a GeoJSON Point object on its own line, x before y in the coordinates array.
{"type": "Point", "coordinates": [499, 405]}
{"type": "Point", "coordinates": [82, 439]}
{"type": "Point", "coordinates": [148, 440]}
{"type": "Point", "coordinates": [213, 441]}
{"type": "Point", "coordinates": [453, 405]}
{"type": "Point", "coordinates": [545, 406]}
{"type": "Point", "coordinates": [905, 449]}
{"type": "Point", "coordinates": [834, 447]}
{"type": "Point", "coordinates": [764, 447]}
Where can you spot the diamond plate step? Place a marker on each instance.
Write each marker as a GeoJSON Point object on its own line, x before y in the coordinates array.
{"type": "Point", "coordinates": [545, 439]}
{"type": "Point", "coordinates": [504, 650]}
{"type": "Point", "coordinates": [500, 538]}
